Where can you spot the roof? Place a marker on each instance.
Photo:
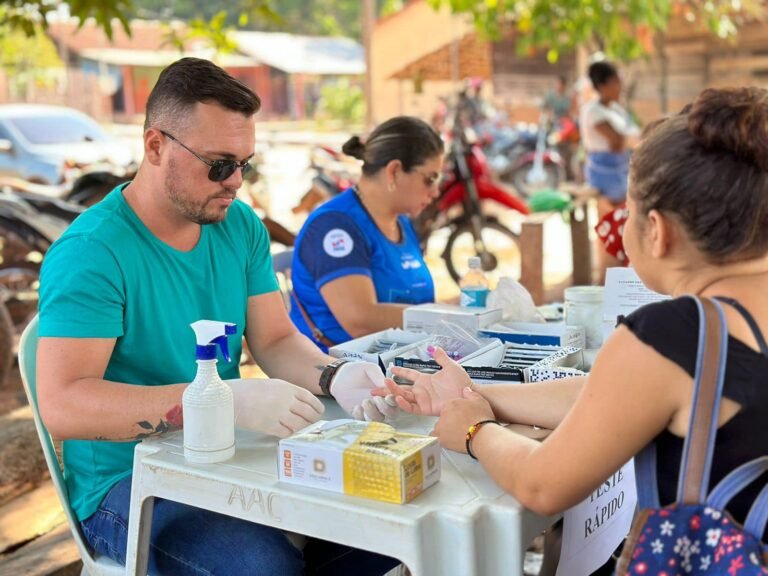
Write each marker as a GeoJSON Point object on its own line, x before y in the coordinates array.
{"type": "Point", "coordinates": [145, 35]}
{"type": "Point", "coordinates": [303, 54]}
{"type": "Point", "coordinates": [162, 58]}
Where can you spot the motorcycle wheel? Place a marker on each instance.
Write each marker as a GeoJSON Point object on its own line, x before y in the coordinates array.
{"type": "Point", "coordinates": [19, 286]}
{"type": "Point", "coordinates": [7, 334]}
{"type": "Point", "coordinates": [519, 179]}
{"type": "Point", "coordinates": [502, 256]}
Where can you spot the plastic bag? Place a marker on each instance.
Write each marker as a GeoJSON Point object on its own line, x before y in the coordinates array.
{"type": "Point", "coordinates": [455, 340]}
{"type": "Point", "coordinates": [515, 302]}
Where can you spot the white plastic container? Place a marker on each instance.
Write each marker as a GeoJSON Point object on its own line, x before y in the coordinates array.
{"type": "Point", "coordinates": [584, 307]}
{"type": "Point", "coordinates": [208, 402]}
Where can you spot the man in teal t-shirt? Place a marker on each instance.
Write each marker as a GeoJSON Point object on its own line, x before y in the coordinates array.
{"type": "Point", "coordinates": [118, 293]}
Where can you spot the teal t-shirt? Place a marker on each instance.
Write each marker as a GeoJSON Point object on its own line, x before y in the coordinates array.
{"type": "Point", "coordinates": [108, 276]}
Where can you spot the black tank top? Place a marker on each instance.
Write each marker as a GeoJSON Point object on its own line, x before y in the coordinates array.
{"type": "Point", "coordinates": [672, 328]}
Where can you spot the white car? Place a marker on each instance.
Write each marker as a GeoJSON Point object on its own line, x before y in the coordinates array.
{"type": "Point", "coordinates": [52, 144]}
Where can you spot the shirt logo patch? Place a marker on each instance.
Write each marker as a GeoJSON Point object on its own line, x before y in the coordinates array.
{"type": "Point", "coordinates": [337, 243]}
{"type": "Point", "coordinates": [408, 262]}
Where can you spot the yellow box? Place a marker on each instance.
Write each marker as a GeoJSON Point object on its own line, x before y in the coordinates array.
{"type": "Point", "coordinates": [367, 459]}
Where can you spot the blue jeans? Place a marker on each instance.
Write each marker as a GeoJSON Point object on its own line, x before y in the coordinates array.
{"type": "Point", "coordinates": [187, 540]}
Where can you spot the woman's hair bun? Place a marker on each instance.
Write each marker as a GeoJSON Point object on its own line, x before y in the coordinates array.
{"type": "Point", "coordinates": [354, 147]}
{"type": "Point", "coordinates": [732, 120]}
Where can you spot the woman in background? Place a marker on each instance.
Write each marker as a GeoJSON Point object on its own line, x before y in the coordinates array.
{"type": "Point", "coordinates": [608, 133]}
{"type": "Point", "coordinates": [357, 261]}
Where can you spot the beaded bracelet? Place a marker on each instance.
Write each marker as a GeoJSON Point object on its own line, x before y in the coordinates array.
{"type": "Point", "coordinates": [472, 430]}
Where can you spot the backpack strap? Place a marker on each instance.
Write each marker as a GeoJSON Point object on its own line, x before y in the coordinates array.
{"type": "Point", "coordinates": [757, 519]}
{"type": "Point", "coordinates": [749, 319]}
{"type": "Point", "coordinates": [736, 481]}
{"type": "Point", "coordinates": [699, 446]}
{"type": "Point", "coordinates": [645, 478]}
{"type": "Point", "coordinates": [317, 334]}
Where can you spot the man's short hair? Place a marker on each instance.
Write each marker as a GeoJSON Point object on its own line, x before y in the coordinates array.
{"type": "Point", "coordinates": [189, 81]}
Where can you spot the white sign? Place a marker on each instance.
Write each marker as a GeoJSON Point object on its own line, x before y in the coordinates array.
{"type": "Point", "coordinates": [624, 293]}
{"type": "Point", "coordinates": [593, 529]}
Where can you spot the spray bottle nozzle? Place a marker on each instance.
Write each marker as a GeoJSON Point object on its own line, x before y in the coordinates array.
{"type": "Point", "coordinates": [209, 333]}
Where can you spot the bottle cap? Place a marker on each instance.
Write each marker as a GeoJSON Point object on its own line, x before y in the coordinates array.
{"type": "Point", "coordinates": [474, 262]}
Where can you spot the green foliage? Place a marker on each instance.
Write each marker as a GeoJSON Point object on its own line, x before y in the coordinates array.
{"type": "Point", "coordinates": [342, 101]}
{"type": "Point", "coordinates": [26, 15]}
{"type": "Point", "coordinates": [215, 32]}
{"type": "Point", "coordinates": [311, 17]}
{"type": "Point", "coordinates": [617, 27]}
{"type": "Point", "coordinates": [27, 59]}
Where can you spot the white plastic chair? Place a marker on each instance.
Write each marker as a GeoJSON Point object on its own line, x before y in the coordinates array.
{"type": "Point", "coordinates": [281, 264]}
{"type": "Point", "coordinates": [92, 566]}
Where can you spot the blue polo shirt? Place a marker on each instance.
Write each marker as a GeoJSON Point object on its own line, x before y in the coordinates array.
{"type": "Point", "coordinates": [341, 239]}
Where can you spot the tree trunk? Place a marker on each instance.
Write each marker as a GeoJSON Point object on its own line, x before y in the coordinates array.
{"type": "Point", "coordinates": [660, 47]}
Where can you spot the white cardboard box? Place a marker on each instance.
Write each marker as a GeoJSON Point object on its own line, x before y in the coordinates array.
{"type": "Point", "coordinates": [425, 317]}
{"type": "Point", "coordinates": [358, 349]}
{"type": "Point", "coordinates": [366, 459]}
{"type": "Point", "coordinates": [408, 359]}
{"type": "Point", "coordinates": [541, 333]}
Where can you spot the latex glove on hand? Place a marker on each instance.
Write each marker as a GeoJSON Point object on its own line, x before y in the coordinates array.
{"type": "Point", "coordinates": [429, 392]}
{"type": "Point", "coordinates": [273, 406]}
{"type": "Point", "coordinates": [351, 387]}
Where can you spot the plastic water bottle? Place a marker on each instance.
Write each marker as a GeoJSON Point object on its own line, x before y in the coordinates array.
{"type": "Point", "coordinates": [474, 285]}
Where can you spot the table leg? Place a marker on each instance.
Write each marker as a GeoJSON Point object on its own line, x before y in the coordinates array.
{"type": "Point", "coordinates": [139, 531]}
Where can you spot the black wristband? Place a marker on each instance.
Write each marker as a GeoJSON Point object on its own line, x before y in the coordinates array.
{"type": "Point", "coordinates": [326, 377]}
{"type": "Point", "coordinates": [474, 429]}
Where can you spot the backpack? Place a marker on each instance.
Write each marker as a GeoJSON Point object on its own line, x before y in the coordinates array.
{"type": "Point", "coordinates": [695, 536]}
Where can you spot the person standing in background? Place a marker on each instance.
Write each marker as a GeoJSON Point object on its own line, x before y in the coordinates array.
{"type": "Point", "coordinates": [608, 133]}
{"type": "Point", "coordinates": [561, 106]}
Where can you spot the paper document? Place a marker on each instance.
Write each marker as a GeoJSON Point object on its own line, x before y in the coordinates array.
{"type": "Point", "coordinates": [593, 529]}
{"type": "Point", "coordinates": [624, 293]}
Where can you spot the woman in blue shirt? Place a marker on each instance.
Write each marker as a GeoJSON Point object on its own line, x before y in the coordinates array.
{"type": "Point", "coordinates": [357, 261]}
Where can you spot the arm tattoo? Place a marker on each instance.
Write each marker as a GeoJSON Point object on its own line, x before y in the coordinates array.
{"type": "Point", "coordinates": [174, 419]}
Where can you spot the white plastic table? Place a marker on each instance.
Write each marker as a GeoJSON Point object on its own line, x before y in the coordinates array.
{"type": "Point", "coordinates": [465, 524]}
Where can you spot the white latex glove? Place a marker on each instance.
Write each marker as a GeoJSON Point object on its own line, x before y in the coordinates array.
{"type": "Point", "coordinates": [351, 387]}
{"type": "Point", "coordinates": [274, 406]}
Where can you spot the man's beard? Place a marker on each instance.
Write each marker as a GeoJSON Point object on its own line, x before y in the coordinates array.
{"type": "Point", "coordinates": [197, 212]}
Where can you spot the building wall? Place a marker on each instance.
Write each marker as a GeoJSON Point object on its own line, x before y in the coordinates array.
{"type": "Point", "coordinates": [404, 37]}
{"type": "Point", "coordinates": [697, 60]}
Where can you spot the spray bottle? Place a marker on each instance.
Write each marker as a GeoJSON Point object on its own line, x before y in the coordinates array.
{"type": "Point", "coordinates": [209, 410]}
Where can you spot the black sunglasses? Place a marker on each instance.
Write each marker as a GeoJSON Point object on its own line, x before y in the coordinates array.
{"type": "Point", "coordinates": [220, 170]}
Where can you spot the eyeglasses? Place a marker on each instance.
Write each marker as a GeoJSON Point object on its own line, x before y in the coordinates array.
{"type": "Point", "coordinates": [220, 170]}
{"type": "Point", "coordinates": [430, 179]}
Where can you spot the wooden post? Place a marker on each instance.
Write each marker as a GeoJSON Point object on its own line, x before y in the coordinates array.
{"type": "Point", "coordinates": [532, 257]}
{"type": "Point", "coordinates": [581, 249]}
{"type": "Point", "coordinates": [368, 16]}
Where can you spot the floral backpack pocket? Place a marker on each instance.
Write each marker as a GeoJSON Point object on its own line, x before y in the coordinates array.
{"type": "Point", "coordinates": [696, 536]}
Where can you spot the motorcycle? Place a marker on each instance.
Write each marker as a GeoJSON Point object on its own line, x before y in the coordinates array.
{"type": "Point", "coordinates": [522, 156]}
{"type": "Point", "coordinates": [330, 177]}
{"type": "Point", "coordinates": [466, 184]}
{"type": "Point", "coordinates": [29, 223]}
